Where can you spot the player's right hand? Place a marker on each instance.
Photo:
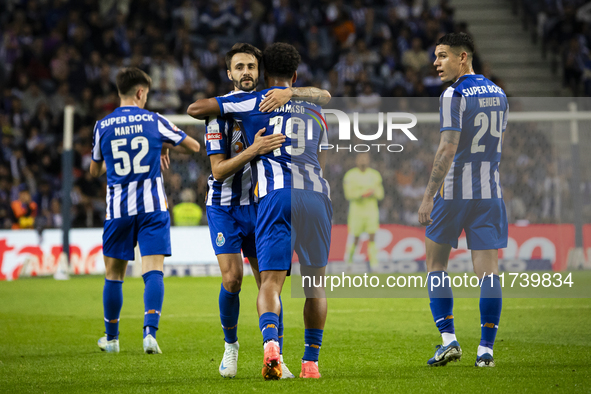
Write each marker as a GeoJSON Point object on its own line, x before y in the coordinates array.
{"type": "Point", "coordinates": [164, 159]}
{"type": "Point", "coordinates": [267, 143]}
{"type": "Point", "coordinates": [425, 212]}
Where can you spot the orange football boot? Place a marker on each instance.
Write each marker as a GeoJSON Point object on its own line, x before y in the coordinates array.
{"type": "Point", "coordinates": [310, 370]}
{"type": "Point", "coordinates": [271, 362]}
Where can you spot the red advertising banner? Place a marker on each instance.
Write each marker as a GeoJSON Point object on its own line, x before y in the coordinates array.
{"type": "Point", "coordinates": [549, 242]}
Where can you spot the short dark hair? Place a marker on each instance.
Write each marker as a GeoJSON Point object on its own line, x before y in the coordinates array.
{"type": "Point", "coordinates": [281, 60]}
{"type": "Point", "coordinates": [129, 77]}
{"type": "Point", "coordinates": [243, 47]}
{"type": "Point", "coordinates": [458, 40]}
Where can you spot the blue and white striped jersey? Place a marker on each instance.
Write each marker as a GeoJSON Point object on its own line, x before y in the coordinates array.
{"type": "Point", "coordinates": [478, 109]}
{"type": "Point", "coordinates": [129, 140]}
{"type": "Point", "coordinates": [224, 136]}
{"type": "Point", "coordinates": [295, 164]}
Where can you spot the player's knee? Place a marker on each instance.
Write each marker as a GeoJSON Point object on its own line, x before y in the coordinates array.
{"type": "Point", "coordinates": [232, 283]}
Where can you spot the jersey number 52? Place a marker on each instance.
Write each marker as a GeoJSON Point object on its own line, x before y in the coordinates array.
{"type": "Point", "coordinates": [124, 168]}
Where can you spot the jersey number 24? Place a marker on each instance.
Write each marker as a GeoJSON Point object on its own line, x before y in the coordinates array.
{"type": "Point", "coordinates": [495, 129]}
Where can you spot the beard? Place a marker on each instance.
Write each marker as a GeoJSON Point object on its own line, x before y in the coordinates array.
{"type": "Point", "coordinates": [247, 88]}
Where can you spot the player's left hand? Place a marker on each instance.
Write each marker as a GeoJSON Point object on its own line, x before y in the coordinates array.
{"type": "Point", "coordinates": [164, 159]}
{"type": "Point", "coordinates": [274, 99]}
{"type": "Point", "coordinates": [425, 212]}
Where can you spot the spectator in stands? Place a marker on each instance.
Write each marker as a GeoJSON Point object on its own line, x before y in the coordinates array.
{"type": "Point", "coordinates": [24, 210]}
{"type": "Point", "coordinates": [416, 58]}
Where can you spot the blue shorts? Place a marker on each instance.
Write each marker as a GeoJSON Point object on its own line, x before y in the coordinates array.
{"type": "Point", "coordinates": [150, 230]}
{"type": "Point", "coordinates": [485, 223]}
{"type": "Point", "coordinates": [292, 219]}
{"type": "Point", "coordinates": [232, 228]}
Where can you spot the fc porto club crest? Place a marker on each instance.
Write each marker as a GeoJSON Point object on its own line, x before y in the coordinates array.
{"type": "Point", "coordinates": [220, 240]}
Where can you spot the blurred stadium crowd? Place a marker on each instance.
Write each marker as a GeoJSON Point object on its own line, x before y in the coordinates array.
{"type": "Point", "coordinates": [59, 52]}
{"type": "Point", "coordinates": [564, 29]}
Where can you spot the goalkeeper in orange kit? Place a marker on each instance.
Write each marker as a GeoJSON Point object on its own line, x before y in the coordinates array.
{"type": "Point", "coordinates": [363, 189]}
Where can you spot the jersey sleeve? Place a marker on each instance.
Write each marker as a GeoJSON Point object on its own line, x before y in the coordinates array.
{"type": "Point", "coordinates": [237, 105]}
{"type": "Point", "coordinates": [216, 136]}
{"type": "Point", "coordinates": [169, 132]}
{"type": "Point", "coordinates": [451, 110]}
{"type": "Point", "coordinates": [97, 154]}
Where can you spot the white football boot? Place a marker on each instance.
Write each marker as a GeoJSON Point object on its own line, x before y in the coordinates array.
{"type": "Point", "coordinates": [151, 346]}
{"type": "Point", "coordinates": [286, 373]}
{"type": "Point", "coordinates": [229, 364]}
{"type": "Point", "coordinates": [111, 346]}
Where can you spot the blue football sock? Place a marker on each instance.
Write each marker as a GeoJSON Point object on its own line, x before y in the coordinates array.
{"type": "Point", "coordinates": [269, 323]}
{"type": "Point", "coordinates": [153, 298]}
{"type": "Point", "coordinates": [491, 303]}
{"type": "Point", "coordinates": [280, 329]}
{"type": "Point", "coordinates": [313, 339]}
{"type": "Point", "coordinates": [112, 303]}
{"type": "Point", "coordinates": [229, 310]}
{"type": "Point", "coordinates": [442, 301]}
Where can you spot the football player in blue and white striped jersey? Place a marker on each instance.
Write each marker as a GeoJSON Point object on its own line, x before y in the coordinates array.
{"type": "Point", "coordinates": [130, 145]}
{"type": "Point", "coordinates": [464, 193]}
{"type": "Point", "coordinates": [231, 211]}
{"type": "Point", "coordinates": [287, 180]}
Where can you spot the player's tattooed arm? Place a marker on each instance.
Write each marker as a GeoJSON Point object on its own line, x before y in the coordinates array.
{"type": "Point", "coordinates": [222, 167]}
{"type": "Point", "coordinates": [277, 97]}
{"type": "Point", "coordinates": [448, 147]}
{"type": "Point", "coordinates": [202, 109]}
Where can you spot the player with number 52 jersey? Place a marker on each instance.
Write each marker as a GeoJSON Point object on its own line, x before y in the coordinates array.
{"type": "Point", "coordinates": [131, 145]}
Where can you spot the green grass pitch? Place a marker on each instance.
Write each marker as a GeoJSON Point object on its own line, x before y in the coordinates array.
{"type": "Point", "coordinates": [49, 329]}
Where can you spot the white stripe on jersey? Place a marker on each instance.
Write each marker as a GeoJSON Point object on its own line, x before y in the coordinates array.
{"type": "Point", "coordinates": [314, 178]}
{"type": "Point", "coordinates": [262, 180]}
{"type": "Point", "coordinates": [448, 188]}
{"type": "Point", "coordinates": [166, 132]}
{"type": "Point", "coordinates": [148, 200]}
{"type": "Point", "coordinates": [132, 198]}
{"type": "Point", "coordinates": [96, 150]}
{"type": "Point", "coordinates": [246, 184]}
{"type": "Point", "coordinates": [467, 181]}
{"type": "Point", "coordinates": [108, 203]}
{"type": "Point", "coordinates": [485, 179]}
{"type": "Point", "coordinates": [277, 175]}
{"type": "Point", "coordinates": [462, 109]}
{"type": "Point", "coordinates": [161, 197]}
{"type": "Point", "coordinates": [498, 181]}
{"type": "Point", "coordinates": [116, 201]}
{"type": "Point", "coordinates": [209, 196]}
{"type": "Point", "coordinates": [297, 179]}
{"type": "Point", "coordinates": [243, 106]}
{"type": "Point", "coordinates": [226, 194]}
{"type": "Point", "coordinates": [446, 102]}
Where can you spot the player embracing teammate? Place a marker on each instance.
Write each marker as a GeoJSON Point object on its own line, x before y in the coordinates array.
{"type": "Point", "coordinates": [464, 193]}
{"type": "Point", "coordinates": [294, 209]}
